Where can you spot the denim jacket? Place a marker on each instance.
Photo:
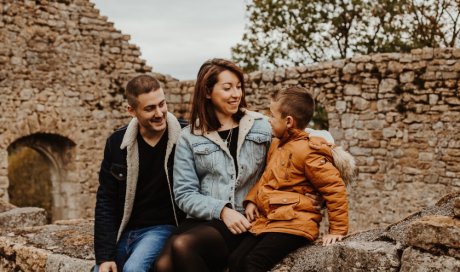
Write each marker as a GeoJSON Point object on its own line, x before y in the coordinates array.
{"type": "Point", "coordinates": [205, 179]}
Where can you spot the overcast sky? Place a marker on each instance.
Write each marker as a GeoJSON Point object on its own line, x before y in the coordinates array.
{"type": "Point", "coordinates": [176, 36]}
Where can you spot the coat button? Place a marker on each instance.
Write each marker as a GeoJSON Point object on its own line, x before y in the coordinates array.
{"type": "Point", "coordinates": [284, 200]}
{"type": "Point", "coordinates": [120, 175]}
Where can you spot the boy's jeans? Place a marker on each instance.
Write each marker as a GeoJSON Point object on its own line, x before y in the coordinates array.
{"type": "Point", "coordinates": [138, 249]}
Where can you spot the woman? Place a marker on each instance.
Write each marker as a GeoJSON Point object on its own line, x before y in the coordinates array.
{"type": "Point", "coordinates": [218, 159]}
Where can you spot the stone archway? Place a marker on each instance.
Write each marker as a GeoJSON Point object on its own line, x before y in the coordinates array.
{"type": "Point", "coordinates": [39, 174]}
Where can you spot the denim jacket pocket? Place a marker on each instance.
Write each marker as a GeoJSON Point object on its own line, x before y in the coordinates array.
{"type": "Point", "coordinates": [258, 145]}
{"type": "Point", "coordinates": [206, 157]}
{"type": "Point", "coordinates": [118, 171]}
{"type": "Point", "coordinates": [282, 207]}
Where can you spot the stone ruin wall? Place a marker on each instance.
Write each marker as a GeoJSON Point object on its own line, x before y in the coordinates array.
{"type": "Point", "coordinates": [63, 68]}
{"type": "Point", "coordinates": [398, 114]}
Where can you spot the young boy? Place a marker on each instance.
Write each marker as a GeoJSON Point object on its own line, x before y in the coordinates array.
{"type": "Point", "coordinates": [283, 218]}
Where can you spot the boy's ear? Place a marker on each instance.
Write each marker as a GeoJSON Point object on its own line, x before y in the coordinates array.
{"type": "Point", "coordinates": [290, 122]}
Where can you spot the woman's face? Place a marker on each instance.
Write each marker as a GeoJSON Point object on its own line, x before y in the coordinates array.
{"type": "Point", "coordinates": [226, 94]}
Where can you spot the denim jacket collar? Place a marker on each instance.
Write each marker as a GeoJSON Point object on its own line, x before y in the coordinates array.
{"type": "Point", "coordinates": [245, 124]}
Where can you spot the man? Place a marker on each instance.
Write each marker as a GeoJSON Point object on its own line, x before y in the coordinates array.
{"type": "Point", "coordinates": [135, 210]}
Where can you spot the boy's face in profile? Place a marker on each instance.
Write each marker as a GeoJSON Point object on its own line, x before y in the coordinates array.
{"type": "Point", "coordinates": [278, 123]}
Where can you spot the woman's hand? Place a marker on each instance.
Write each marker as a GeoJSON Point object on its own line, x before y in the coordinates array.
{"type": "Point", "coordinates": [331, 239]}
{"type": "Point", "coordinates": [251, 211]}
{"type": "Point", "coordinates": [235, 221]}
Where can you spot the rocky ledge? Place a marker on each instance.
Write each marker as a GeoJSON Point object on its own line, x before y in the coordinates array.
{"type": "Point", "coordinates": [425, 241]}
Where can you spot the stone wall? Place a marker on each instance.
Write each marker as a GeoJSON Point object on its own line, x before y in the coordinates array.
{"type": "Point", "coordinates": [398, 114]}
{"type": "Point", "coordinates": [63, 68]}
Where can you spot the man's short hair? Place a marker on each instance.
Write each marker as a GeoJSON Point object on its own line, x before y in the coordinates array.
{"type": "Point", "coordinates": [140, 85]}
{"type": "Point", "coordinates": [296, 102]}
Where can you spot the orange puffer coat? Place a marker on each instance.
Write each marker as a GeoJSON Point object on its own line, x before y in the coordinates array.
{"type": "Point", "coordinates": [299, 164]}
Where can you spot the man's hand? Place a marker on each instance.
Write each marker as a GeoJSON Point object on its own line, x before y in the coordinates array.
{"type": "Point", "coordinates": [251, 211]}
{"type": "Point", "coordinates": [108, 267]}
{"type": "Point", "coordinates": [235, 221]}
{"type": "Point", "coordinates": [317, 200]}
{"type": "Point", "coordinates": [331, 239]}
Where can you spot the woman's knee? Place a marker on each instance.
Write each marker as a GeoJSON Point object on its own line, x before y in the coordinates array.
{"type": "Point", "coordinates": [164, 261]}
{"type": "Point", "coordinates": [182, 244]}
{"type": "Point", "coordinates": [163, 264]}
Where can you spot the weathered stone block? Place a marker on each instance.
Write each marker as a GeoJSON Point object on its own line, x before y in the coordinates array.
{"type": "Point", "coordinates": [22, 217]}
{"type": "Point", "coordinates": [457, 208]}
{"type": "Point", "coordinates": [351, 89]}
{"type": "Point", "coordinates": [357, 151]}
{"type": "Point", "coordinates": [407, 77]}
{"type": "Point", "coordinates": [437, 234]}
{"type": "Point", "coordinates": [360, 103]}
{"type": "Point", "coordinates": [350, 68]}
{"type": "Point", "coordinates": [433, 99]}
{"type": "Point", "coordinates": [348, 120]}
{"type": "Point", "coordinates": [268, 76]}
{"type": "Point", "coordinates": [346, 256]}
{"type": "Point", "coordinates": [414, 260]}
{"type": "Point", "coordinates": [387, 85]}
{"type": "Point", "coordinates": [62, 263]}
{"type": "Point", "coordinates": [395, 67]}
{"type": "Point", "coordinates": [341, 106]}
{"type": "Point", "coordinates": [453, 101]}
{"type": "Point", "coordinates": [389, 132]}
{"type": "Point", "coordinates": [292, 73]}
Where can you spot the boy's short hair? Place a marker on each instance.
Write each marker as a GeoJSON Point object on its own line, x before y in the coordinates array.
{"type": "Point", "coordinates": [296, 102]}
{"type": "Point", "coordinates": [140, 85]}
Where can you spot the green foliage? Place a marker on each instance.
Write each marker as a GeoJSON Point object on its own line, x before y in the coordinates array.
{"type": "Point", "coordinates": [319, 120]}
{"type": "Point", "coordinates": [293, 32]}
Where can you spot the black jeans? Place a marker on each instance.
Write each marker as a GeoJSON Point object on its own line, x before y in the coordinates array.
{"type": "Point", "coordinates": [262, 252]}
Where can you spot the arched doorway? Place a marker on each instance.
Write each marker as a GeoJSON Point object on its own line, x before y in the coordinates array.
{"type": "Point", "coordinates": [37, 173]}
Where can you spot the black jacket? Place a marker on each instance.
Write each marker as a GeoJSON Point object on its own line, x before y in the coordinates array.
{"type": "Point", "coordinates": [111, 195]}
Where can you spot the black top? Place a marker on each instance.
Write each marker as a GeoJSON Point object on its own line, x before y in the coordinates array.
{"type": "Point", "coordinates": [232, 143]}
{"type": "Point", "coordinates": [152, 203]}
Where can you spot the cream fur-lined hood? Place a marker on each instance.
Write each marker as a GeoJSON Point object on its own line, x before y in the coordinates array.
{"type": "Point", "coordinates": [343, 161]}
{"type": "Point", "coordinates": [132, 159]}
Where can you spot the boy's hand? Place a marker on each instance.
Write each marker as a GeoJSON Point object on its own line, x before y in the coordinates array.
{"type": "Point", "coordinates": [330, 239]}
{"type": "Point", "coordinates": [251, 211]}
{"type": "Point", "coordinates": [318, 201]}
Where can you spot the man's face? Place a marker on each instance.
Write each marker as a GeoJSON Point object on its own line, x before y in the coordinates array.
{"type": "Point", "coordinates": [151, 111]}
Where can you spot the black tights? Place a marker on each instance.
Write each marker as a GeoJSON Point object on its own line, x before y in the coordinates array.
{"type": "Point", "coordinates": [199, 249]}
